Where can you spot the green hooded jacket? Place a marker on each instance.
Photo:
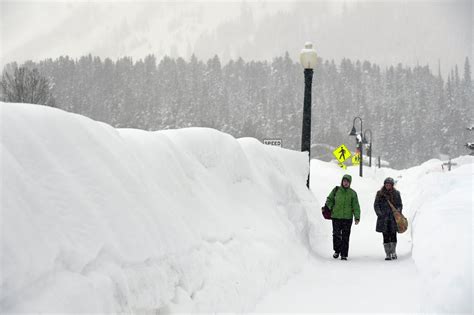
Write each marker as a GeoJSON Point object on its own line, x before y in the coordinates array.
{"type": "Point", "coordinates": [344, 203]}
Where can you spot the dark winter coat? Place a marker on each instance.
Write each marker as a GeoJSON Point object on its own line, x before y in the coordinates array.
{"type": "Point", "coordinates": [385, 219]}
{"type": "Point", "coordinates": [344, 203]}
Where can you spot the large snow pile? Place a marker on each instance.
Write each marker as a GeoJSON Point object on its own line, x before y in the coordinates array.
{"type": "Point", "coordinates": [441, 208]}
{"type": "Point", "coordinates": [96, 219]}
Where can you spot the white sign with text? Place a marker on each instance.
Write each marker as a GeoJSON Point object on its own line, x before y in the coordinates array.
{"type": "Point", "coordinates": [274, 142]}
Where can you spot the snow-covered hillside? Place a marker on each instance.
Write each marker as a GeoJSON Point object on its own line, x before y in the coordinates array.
{"type": "Point", "coordinates": [102, 220]}
{"type": "Point", "coordinates": [97, 219]}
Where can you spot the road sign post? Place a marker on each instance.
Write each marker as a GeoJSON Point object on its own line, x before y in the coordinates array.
{"type": "Point", "coordinates": [342, 165]}
{"type": "Point", "coordinates": [449, 164]}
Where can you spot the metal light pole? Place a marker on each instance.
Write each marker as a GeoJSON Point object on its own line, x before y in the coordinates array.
{"type": "Point", "coordinates": [359, 141]}
{"type": "Point", "coordinates": [370, 145]}
{"type": "Point", "coordinates": [308, 58]}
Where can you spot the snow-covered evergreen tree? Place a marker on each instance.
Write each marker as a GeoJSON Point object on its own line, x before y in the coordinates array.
{"type": "Point", "coordinates": [413, 114]}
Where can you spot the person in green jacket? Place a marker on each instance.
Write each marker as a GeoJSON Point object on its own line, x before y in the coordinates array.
{"type": "Point", "coordinates": [344, 206]}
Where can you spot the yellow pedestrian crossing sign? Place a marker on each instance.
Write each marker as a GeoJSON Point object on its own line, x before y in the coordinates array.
{"type": "Point", "coordinates": [342, 153]}
{"type": "Point", "coordinates": [356, 159]}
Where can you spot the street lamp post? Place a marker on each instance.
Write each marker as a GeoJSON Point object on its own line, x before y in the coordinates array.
{"type": "Point", "coordinates": [359, 141]}
{"type": "Point", "coordinates": [308, 58]}
{"type": "Point", "coordinates": [370, 145]}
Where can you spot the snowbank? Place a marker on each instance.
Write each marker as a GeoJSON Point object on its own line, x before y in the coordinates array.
{"type": "Point", "coordinates": [441, 207]}
{"type": "Point", "coordinates": [96, 219]}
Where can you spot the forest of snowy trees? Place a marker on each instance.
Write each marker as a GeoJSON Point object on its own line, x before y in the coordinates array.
{"type": "Point", "coordinates": [413, 113]}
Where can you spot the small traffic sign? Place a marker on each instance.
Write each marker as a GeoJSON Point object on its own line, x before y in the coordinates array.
{"type": "Point", "coordinates": [273, 142]}
{"type": "Point", "coordinates": [343, 166]}
{"type": "Point", "coordinates": [356, 159]}
{"type": "Point", "coordinates": [342, 153]}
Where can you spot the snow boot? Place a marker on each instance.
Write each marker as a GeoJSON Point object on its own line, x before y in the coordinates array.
{"type": "Point", "coordinates": [393, 250]}
{"type": "Point", "coordinates": [388, 251]}
{"type": "Point", "coordinates": [343, 258]}
{"type": "Point", "coordinates": [336, 255]}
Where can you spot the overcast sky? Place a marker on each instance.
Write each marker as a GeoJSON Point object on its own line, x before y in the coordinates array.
{"type": "Point", "coordinates": [385, 32]}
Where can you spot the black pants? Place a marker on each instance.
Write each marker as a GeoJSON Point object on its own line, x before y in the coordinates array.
{"type": "Point", "coordinates": [341, 231]}
{"type": "Point", "coordinates": [390, 237]}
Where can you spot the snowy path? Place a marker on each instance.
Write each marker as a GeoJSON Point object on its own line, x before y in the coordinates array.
{"type": "Point", "coordinates": [356, 286]}
{"type": "Point", "coordinates": [364, 283]}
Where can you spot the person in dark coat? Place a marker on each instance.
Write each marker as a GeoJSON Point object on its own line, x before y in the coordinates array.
{"type": "Point", "coordinates": [344, 206]}
{"type": "Point", "coordinates": [386, 223]}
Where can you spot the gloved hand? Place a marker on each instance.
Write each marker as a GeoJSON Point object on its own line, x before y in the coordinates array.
{"type": "Point", "coordinates": [356, 222]}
